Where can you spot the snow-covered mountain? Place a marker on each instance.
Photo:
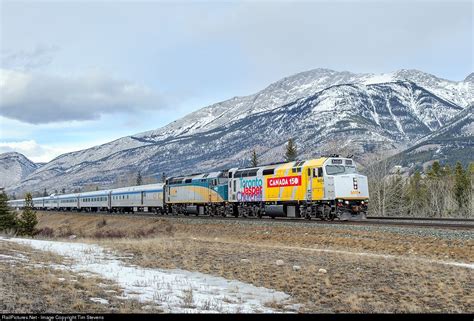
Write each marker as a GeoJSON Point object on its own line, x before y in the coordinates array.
{"type": "Point", "coordinates": [14, 167]}
{"type": "Point", "coordinates": [301, 85]}
{"type": "Point", "coordinates": [325, 110]}
{"type": "Point", "coordinates": [452, 142]}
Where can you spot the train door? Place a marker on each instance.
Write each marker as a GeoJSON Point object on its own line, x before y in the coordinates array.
{"type": "Point", "coordinates": [142, 195]}
{"type": "Point", "coordinates": [317, 183]}
{"type": "Point", "coordinates": [309, 184]}
{"type": "Point", "coordinates": [212, 183]}
{"type": "Point", "coordinates": [232, 187]}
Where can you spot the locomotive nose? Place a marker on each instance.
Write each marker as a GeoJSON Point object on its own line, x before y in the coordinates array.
{"type": "Point", "coordinates": [351, 186]}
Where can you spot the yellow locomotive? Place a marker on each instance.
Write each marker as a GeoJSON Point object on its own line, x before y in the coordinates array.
{"type": "Point", "coordinates": [325, 188]}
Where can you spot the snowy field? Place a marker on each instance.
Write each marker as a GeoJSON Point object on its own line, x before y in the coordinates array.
{"type": "Point", "coordinates": [175, 291]}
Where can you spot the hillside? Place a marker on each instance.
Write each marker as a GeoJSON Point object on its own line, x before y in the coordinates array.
{"type": "Point", "coordinates": [321, 108]}
{"type": "Point", "coordinates": [14, 167]}
{"type": "Point", "coordinates": [451, 143]}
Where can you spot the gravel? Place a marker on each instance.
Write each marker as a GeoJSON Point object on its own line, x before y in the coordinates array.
{"type": "Point", "coordinates": [448, 233]}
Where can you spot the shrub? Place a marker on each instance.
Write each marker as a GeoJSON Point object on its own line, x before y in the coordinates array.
{"type": "Point", "coordinates": [109, 234]}
{"type": "Point", "coordinates": [102, 223]}
{"type": "Point", "coordinates": [45, 232]}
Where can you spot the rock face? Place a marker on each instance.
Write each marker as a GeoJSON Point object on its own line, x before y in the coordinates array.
{"type": "Point", "coordinates": [14, 167]}
{"type": "Point", "coordinates": [324, 110]}
{"type": "Point", "coordinates": [452, 142]}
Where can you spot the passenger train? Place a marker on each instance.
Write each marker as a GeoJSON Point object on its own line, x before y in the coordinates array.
{"type": "Point", "coordinates": [327, 188]}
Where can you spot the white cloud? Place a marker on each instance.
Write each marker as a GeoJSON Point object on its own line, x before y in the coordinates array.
{"type": "Point", "coordinates": [40, 153]}
{"type": "Point", "coordinates": [38, 98]}
{"type": "Point", "coordinates": [41, 55]}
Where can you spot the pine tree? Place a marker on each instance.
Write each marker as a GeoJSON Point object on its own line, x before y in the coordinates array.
{"type": "Point", "coordinates": [254, 160]}
{"type": "Point", "coordinates": [394, 197]}
{"type": "Point", "coordinates": [139, 178]}
{"type": "Point", "coordinates": [28, 220]}
{"type": "Point", "coordinates": [446, 171]}
{"type": "Point", "coordinates": [462, 186]}
{"type": "Point", "coordinates": [291, 151]}
{"type": "Point", "coordinates": [45, 193]}
{"type": "Point", "coordinates": [416, 195]}
{"type": "Point", "coordinates": [435, 170]}
{"type": "Point", "coordinates": [7, 217]}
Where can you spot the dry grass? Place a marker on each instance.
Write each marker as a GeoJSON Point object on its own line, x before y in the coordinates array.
{"type": "Point", "coordinates": [304, 235]}
{"type": "Point", "coordinates": [352, 284]}
{"type": "Point", "coordinates": [248, 252]}
{"type": "Point", "coordinates": [100, 226]}
{"type": "Point", "coordinates": [30, 285]}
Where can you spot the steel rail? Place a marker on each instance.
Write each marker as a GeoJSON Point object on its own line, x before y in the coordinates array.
{"type": "Point", "coordinates": [421, 222]}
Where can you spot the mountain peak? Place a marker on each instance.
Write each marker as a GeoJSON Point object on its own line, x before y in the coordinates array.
{"type": "Point", "coordinates": [14, 167]}
{"type": "Point", "coordinates": [470, 78]}
{"type": "Point", "coordinates": [12, 154]}
{"type": "Point", "coordinates": [371, 112]}
{"type": "Point", "coordinates": [413, 75]}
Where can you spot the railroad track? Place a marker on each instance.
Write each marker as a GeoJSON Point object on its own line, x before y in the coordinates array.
{"type": "Point", "coordinates": [439, 219]}
{"type": "Point", "coordinates": [388, 221]}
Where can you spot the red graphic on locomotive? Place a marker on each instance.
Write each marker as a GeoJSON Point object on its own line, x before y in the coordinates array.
{"type": "Point", "coordinates": [284, 181]}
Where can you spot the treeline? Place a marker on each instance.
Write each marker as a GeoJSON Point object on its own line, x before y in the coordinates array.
{"type": "Point", "coordinates": [12, 223]}
{"type": "Point", "coordinates": [441, 191]}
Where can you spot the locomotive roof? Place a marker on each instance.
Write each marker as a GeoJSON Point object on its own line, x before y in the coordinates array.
{"type": "Point", "coordinates": [201, 175]}
{"type": "Point", "coordinates": [282, 165]}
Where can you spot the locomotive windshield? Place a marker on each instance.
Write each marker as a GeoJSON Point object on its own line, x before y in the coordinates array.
{"type": "Point", "coordinates": [340, 169]}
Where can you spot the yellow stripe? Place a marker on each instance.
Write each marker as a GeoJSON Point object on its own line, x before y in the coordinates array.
{"type": "Point", "coordinates": [203, 192]}
{"type": "Point", "coordinates": [352, 198]}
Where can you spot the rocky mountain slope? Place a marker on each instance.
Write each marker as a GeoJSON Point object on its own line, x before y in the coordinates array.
{"type": "Point", "coordinates": [452, 142]}
{"type": "Point", "coordinates": [14, 167]}
{"type": "Point", "coordinates": [324, 110]}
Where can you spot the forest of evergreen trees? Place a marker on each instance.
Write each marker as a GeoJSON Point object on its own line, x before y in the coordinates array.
{"type": "Point", "coordinates": [442, 191]}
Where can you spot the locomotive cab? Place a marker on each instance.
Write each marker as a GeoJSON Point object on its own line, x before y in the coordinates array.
{"type": "Point", "coordinates": [346, 187]}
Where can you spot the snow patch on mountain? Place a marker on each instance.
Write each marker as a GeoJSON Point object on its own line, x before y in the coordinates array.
{"type": "Point", "coordinates": [370, 113]}
{"type": "Point", "coordinates": [14, 167]}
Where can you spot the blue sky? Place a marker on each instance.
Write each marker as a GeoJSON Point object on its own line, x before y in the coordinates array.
{"type": "Point", "coordinates": [75, 74]}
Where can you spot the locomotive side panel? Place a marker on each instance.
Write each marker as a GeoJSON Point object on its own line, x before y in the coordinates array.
{"type": "Point", "coordinates": [288, 182]}
{"type": "Point", "coordinates": [197, 190]}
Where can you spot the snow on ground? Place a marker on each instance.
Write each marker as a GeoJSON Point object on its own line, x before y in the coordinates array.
{"type": "Point", "coordinates": [175, 291]}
